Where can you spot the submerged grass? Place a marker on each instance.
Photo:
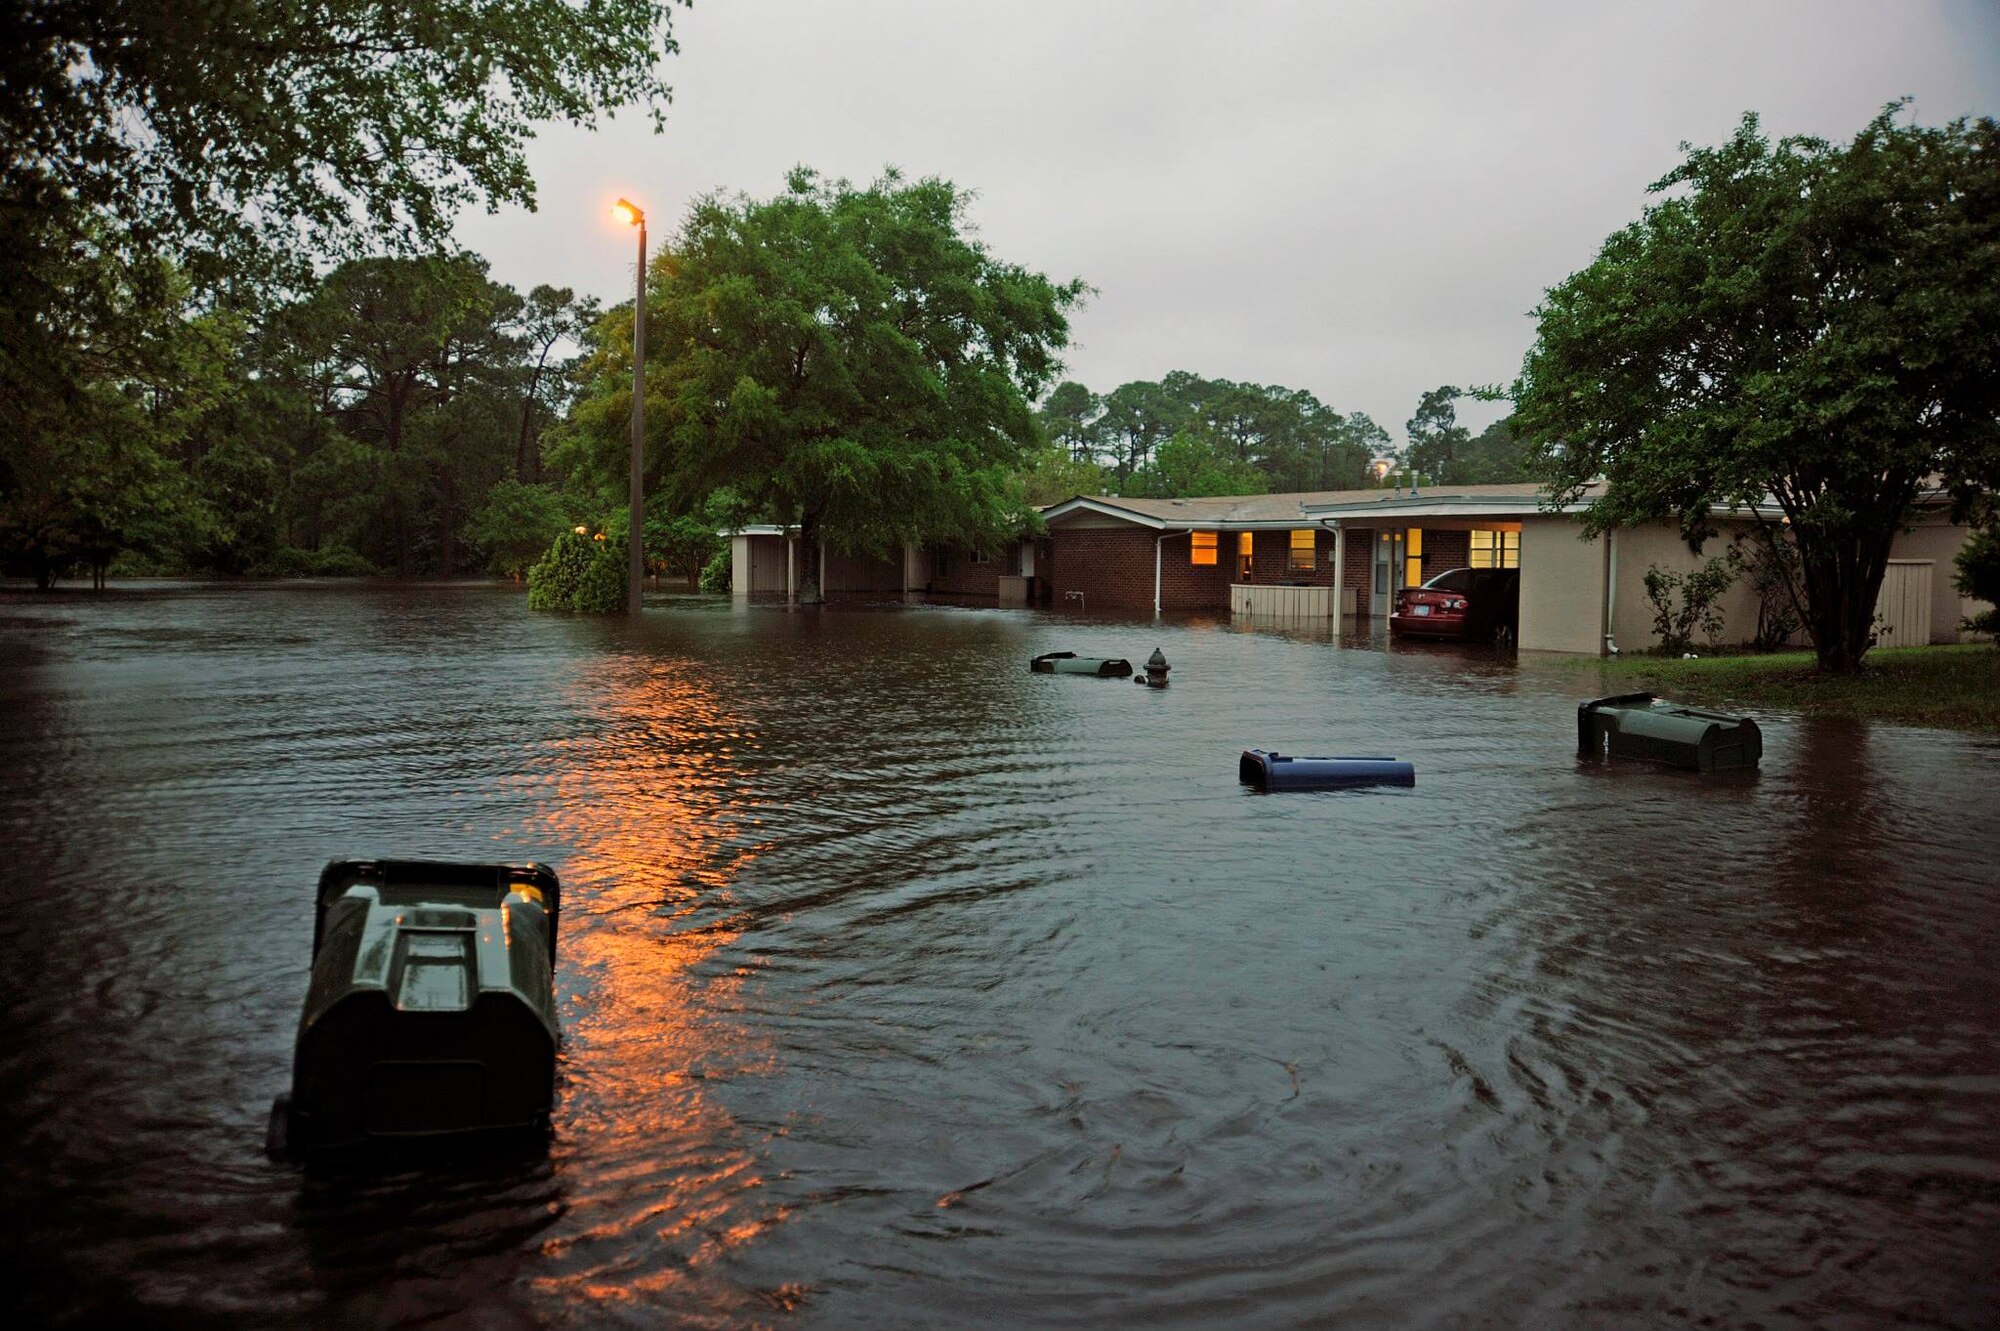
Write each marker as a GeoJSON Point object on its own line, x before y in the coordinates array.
{"type": "Point", "coordinates": [1954, 687]}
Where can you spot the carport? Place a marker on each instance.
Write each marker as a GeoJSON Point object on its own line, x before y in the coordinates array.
{"type": "Point", "coordinates": [1412, 536]}
{"type": "Point", "coordinates": [1589, 595]}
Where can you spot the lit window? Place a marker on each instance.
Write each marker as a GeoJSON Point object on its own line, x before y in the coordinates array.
{"type": "Point", "coordinates": [1202, 551]}
{"type": "Point", "coordinates": [1243, 543]}
{"type": "Point", "coordinates": [1303, 545]}
{"type": "Point", "coordinates": [1495, 549]}
{"type": "Point", "coordinates": [1413, 557]}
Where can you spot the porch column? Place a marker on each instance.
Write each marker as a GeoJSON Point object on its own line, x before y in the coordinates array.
{"type": "Point", "coordinates": [791, 570]}
{"type": "Point", "coordinates": [739, 565]}
{"type": "Point", "coordinates": [1339, 572]}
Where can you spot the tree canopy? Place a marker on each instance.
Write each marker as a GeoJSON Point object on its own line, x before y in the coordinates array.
{"type": "Point", "coordinates": [1809, 326]}
{"type": "Point", "coordinates": [1255, 437]}
{"type": "Point", "coordinates": [171, 168]}
{"type": "Point", "coordinates": [849, 359]}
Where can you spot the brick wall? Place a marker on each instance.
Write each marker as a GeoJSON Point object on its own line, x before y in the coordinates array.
{"type": "Point", "coordinates": [1445, 550]}
{"type": "Point", "coordinates": [1113, 568]}
{"type": "Point", "coordinates": [962, 577]}
{"type": "Point", "coordinates": [1271, 553]}
{"type": "Point", "coordinates": [1361, 567]}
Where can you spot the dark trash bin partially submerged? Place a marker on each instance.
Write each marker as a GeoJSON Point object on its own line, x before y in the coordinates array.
{"type": "Point", "coordinates": [1638, 725]}
{"type": "Point", "coordinates": [431, 1008]}
{"type": "Point", "coordinates": [1069, 663]}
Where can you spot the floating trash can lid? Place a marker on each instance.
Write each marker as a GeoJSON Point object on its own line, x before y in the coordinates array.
{"type": "Point", "coordinates": [1640, 726]}
{"type": "Point", "coordinates": [431, 1006]}
{"type": "Point", "coordinates": [1069, 663]}
{"type": "Point", "coordinates": [1279, 771]}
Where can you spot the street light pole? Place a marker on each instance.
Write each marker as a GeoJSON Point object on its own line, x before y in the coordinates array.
{"type": "Point", "coordinates": [635, 563]}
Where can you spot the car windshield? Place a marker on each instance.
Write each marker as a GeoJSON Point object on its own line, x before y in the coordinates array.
{"type": "Point", "coordinates": [1452, 580]}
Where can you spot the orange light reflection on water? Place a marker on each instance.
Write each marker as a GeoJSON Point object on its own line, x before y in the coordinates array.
{"type": "Point", "coordinates": [658, 1176]}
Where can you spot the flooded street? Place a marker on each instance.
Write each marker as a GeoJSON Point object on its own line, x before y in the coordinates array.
{"type": "Point", "coordinates": [903, 987]}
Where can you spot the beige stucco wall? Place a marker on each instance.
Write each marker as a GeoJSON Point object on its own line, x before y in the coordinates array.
{"type": "Point", "coordinates": [1562, 587]}
{"type": "Point", "coordinates": [1660, 544]}
{"type": "Point", "coordinates": [1936, 539]}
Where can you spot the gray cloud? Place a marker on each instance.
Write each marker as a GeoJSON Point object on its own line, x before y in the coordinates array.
{"type": "Point", "coordinates": [1364, 200]}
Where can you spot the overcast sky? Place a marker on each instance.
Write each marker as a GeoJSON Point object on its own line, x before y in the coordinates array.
{"type": "Point", "coordinates": [1364, 200]}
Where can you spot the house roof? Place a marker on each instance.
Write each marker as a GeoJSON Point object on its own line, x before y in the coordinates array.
{"type": "Point", "coordinates": [1446, 501]}
{"type": "Point", "coordinates": [1241, 512]}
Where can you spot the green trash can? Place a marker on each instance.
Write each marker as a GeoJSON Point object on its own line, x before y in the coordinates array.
{"type": "Point", "coordinates": [1638, 725]}
{"type": "Point", "coordinates": [431, 1008]}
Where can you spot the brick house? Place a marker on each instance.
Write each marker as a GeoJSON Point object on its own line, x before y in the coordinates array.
{"type": "Point", "coordinates": [1186, 554]}
{"type": "Point", "coordinates": [1290, 555]}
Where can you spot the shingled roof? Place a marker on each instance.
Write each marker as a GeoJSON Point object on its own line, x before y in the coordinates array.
{"type": "Point", "coordinates": [1293, 509]}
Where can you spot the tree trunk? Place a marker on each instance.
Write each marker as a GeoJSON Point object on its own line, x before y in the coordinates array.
{"type": "Point", "coordinates": [1843, 579]}
{"type": "Point", "coordinates": [445, 485]}
{"type": "Point", "coordinates": [809, 570]}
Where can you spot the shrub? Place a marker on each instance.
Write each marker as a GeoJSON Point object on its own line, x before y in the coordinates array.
{"type": "Point", "coordinates": [1772, 566]}
{"type": "Point", "coordinates": [1978, 577]}
{"type": "Point", "coordinates": [580, 574]}
{"type": "Point", "coordinates": [510, 524]}
{"type": "Point", "coordinates": [717, 573]}
{"type": "Point", "coordinates": [335, 561]}
{"type": "Point", "coordinates": [1685, 602]}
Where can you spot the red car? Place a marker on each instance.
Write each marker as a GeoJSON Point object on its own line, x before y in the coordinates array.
{"type": "Point", "coordinates": [1471, 604]}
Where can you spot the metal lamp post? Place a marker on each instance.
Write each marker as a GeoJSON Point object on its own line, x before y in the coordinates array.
{"type": "Point", "coordinates": [635, 564]}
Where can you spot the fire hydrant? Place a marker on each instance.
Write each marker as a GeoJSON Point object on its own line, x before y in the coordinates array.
{"type": "Point", "coordinates": [1156, 671]}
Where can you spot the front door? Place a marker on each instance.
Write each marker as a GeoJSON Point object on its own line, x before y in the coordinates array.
{"type": "Point", "coordinates": [1388, 562]}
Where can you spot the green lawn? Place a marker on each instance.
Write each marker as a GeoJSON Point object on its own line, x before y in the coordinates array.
{"type": "Point", "coordinates": [1955, 687]}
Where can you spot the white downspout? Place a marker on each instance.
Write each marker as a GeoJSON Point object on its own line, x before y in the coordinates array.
{"type": "Point", "coordinates": [1611, 594]}
{"type": "Point", "coordinates": [791, 594]}
{"type": "Point", "coordinates": [1157, 544]}
{"type": "Point", "coordinates": [1339, 568]}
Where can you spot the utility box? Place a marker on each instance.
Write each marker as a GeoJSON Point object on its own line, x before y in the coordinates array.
{"type": "Point", "coordinates": [431, 1007]}
{"type": "Point", "coordinates": [1638, 725]}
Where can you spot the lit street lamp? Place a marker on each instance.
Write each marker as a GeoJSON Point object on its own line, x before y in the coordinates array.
{"type": "Point", "coordinates": [635, 564]}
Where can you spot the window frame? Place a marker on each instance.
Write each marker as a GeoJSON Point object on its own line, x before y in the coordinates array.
{"type": "Point", "coordinates": [1310, 549]}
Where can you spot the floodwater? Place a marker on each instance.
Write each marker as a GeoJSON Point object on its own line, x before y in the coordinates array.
{"type": "Point", "coordinates": [903, 987]}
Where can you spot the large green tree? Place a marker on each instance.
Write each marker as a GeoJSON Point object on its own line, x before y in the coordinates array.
{"type": "Point", "coordinates": [1288, 437]}
{"type": "Point", "coordinates": [1072, 418]}
{"type": "Point", "coordinates": [1809, 328]}
{"type": "Point", "coordinates": [1192, 464]}
{"type": "Point", "coordinates": [849, 359]}
{"type": "Point", "coordinates": [423, 369]}
{"type": "Point", "coordinates": [1436, 437]}
{"type": "Point", "coordinates": [204, 150]}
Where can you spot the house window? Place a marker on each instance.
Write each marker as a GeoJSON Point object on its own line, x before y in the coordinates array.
{"type": "Point", "coordinates": [1413, 557]}
{"type": "Point", "coordinates": [1202, 548]}
{"type": "Point", "coordinates": [1244, 562]}
{"type": "Point", "coordinates": [1304, 542]}
{"type": "Point", "coordinates": [981, 557]}
{"type": "Point", "coordinates": [1495, 549]}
